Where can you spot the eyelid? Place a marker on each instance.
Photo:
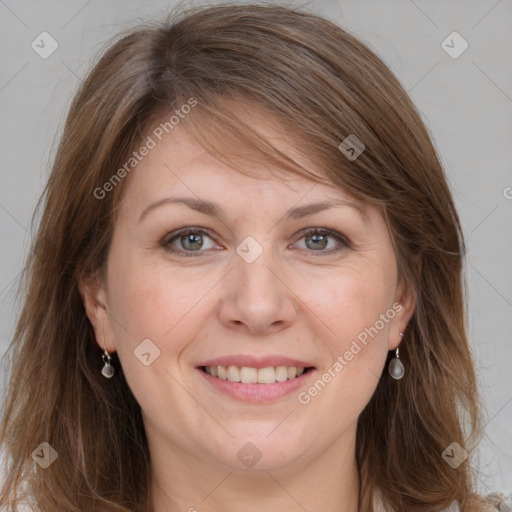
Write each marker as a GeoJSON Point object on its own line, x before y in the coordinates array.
{"type": "Point", "coordinates": [169, 237]}
{"type": "Point", "coordinates": [324, 231]}
{"type": "Point", "coordinates": [341, 238]}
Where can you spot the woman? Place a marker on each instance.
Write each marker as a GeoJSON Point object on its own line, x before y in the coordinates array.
{"type": "Point", "coordinates": [246, 288]}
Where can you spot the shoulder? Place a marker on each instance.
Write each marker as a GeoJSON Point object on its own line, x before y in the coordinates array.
{"type": "Point", "coordinates": [501, 501]}
{"type": "Point", "coordinates": [495, 501]}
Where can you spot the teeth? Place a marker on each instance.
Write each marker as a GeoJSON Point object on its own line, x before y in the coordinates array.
{"type": "Point", "coordinates": [266, 375]}
{"type": "Point", "coordinates": [281, 373]}
{"type": "Point", "coordinates": [233, 374]}
{"type": "Point", "coordinates": [248, 375]}
{"type": "Point", "coordinates": [222, 372]}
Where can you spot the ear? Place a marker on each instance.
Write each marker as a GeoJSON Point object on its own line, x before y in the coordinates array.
{"type": "Point", "coordinates": [404, 306]}
{"type": "Point", "coordinates": [93, 295]}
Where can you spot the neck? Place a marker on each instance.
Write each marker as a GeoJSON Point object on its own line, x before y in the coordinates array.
{"type": "Point", "coordinates": [327, 483]}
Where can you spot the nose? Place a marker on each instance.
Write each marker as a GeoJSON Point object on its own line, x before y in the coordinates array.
{"type": "Point", "coordinates": [256, 298]}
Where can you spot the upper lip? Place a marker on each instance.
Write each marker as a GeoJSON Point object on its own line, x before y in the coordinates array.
{"type": "Point", "coordinates": [255, 361]}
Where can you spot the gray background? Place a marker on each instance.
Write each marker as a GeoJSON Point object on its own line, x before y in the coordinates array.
{"type": "Point", "coordinates": [465, 101]}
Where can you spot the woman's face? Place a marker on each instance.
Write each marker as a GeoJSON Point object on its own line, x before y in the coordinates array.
{"type": "Point", "coordinates": [249, 286]}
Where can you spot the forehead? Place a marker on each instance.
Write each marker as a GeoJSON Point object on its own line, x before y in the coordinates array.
{"type": "Point", "coordinates": [240, 132]}
{"type": "Point", "coordinates": [180, 167]}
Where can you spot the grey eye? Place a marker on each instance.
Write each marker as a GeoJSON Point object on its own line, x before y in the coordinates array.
{"type": "Point", "coordinates": [317, 241]}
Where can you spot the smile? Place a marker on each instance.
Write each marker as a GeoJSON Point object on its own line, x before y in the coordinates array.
{"type": "Point", "coordinates": [253, 380]}
{"type": "Point", "coordinates": [252, 375]}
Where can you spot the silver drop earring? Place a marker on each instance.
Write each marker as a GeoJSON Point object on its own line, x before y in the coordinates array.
{"type": "Point", "coordinates": [108, 370]}
{"type": "Point", "coordinates": [396, 367]}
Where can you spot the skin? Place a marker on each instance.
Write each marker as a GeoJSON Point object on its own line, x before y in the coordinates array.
{"type": "Point", "coordinates": [298, 299]}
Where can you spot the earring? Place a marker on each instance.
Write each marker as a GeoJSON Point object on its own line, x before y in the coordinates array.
{"type": "Point", "coordinates": [108, 370]}
{"type": "Point", "coordinates": [396, 368]}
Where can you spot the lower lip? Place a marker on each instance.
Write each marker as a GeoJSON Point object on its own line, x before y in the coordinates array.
{"type": "Point", "coordinates": [256, 393]}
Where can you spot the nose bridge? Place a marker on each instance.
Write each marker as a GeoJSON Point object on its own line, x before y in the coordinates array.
{"type": "Point", "coordinates": [259, 276]}
{"type": "Point", "coordinates": [257, 298]}
{"type": "Point", "coordinates": [255, 270]}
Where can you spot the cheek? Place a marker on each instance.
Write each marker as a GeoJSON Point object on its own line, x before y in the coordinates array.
{"type": "Point", "coordinates": [361, 312]}
{"type": "Point", "coordinates": [151, 305]}
{"type": "Point", "coordinates": [161, 302]}
{"type": "Point", "coordinates": [145, 303]}
{"type": "Point", "coordinates": [351, 299]}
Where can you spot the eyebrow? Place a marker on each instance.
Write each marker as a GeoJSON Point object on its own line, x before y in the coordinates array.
{"type": "Point", "coordinates": [214, 210]}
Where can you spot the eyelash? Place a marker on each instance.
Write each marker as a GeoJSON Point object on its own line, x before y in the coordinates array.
{"type": "Point", "coordinates": [170, 237]}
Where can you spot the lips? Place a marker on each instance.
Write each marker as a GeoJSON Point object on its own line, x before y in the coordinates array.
{"type": "Point", "coordinates": [256, 362]}
{"type": "Point", "coordinates": [255, 378]}
{"type": "Point", "coordinates": [256, 393]}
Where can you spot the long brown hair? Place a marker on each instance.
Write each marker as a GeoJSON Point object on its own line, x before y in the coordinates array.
{"type": "Point", "coordinates": [321, 85]}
